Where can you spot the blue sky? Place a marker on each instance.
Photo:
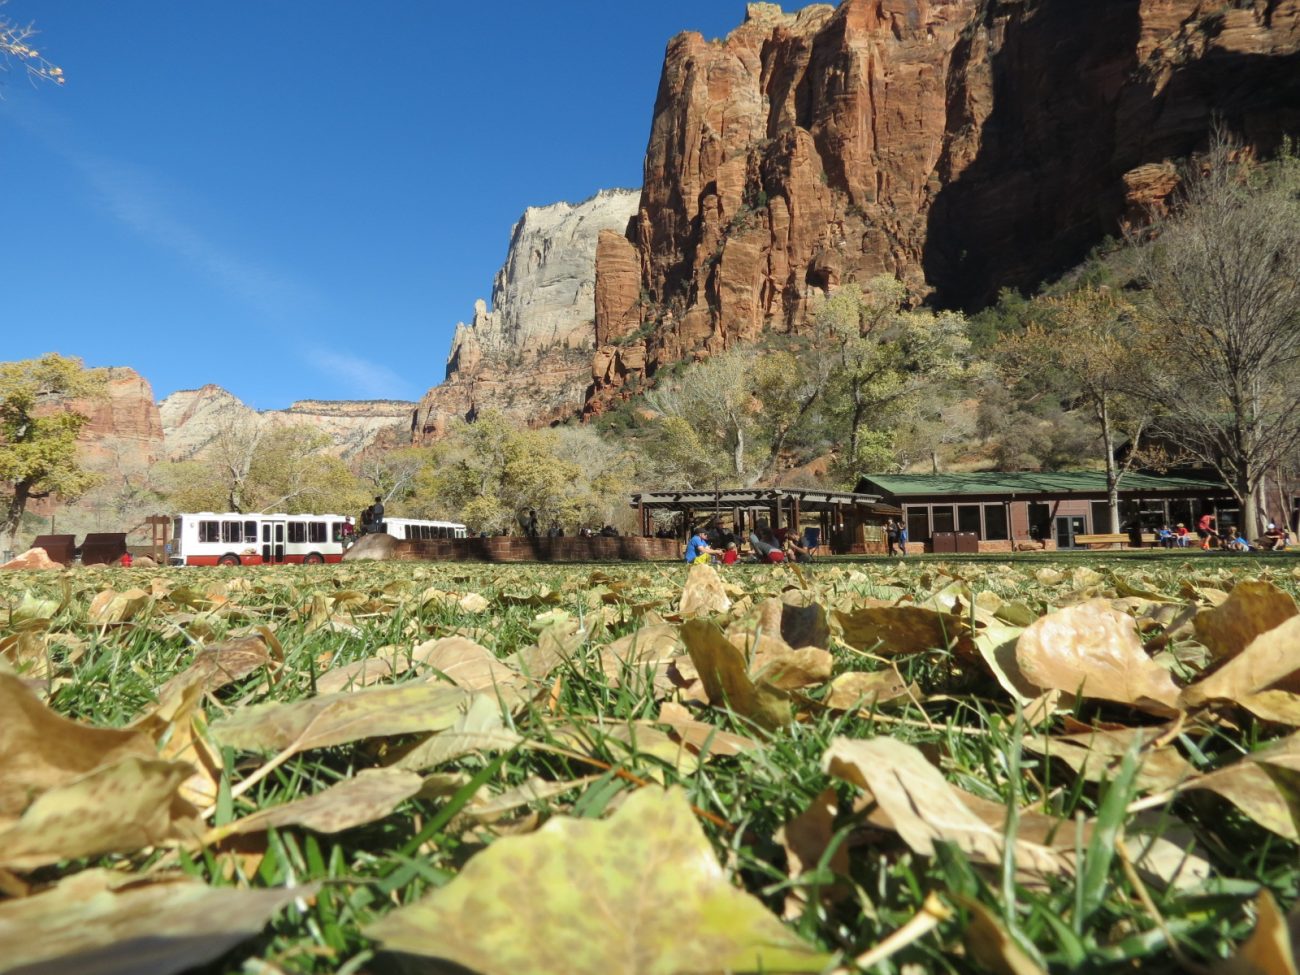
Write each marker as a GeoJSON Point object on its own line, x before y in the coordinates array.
{"type": "Point", "coordinates": [299, 199]}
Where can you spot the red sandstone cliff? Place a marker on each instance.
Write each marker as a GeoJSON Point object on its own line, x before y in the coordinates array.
{"type": "Point", "coordinates": [962, 145]}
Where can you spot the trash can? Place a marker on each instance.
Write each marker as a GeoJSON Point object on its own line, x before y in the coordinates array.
{"type": "Point", "coordinates": [967, 543]}
{"type": "Point", "coordinates": [943, 543]}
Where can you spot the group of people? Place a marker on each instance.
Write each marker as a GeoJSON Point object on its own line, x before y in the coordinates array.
{"type": "Point", "coordinates": [1274, 539]}
{"type": "Point", "coordinates": [714, 543]}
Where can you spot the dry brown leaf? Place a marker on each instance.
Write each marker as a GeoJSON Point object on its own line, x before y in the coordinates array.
{"type": "Point", "coordinates": [722, 670]}
{"type": "Point", "coordinates": [701, 736]}
{"type": "Point", "coordinates": [806, 839]}
{"type": "Point", "coordinates": [1098, 754]}
{"type": "Point", "coordinates": [117, 924]}
{"type": "Point", "coordinates": [1091, 650]}
{"type": "Point", "coordinates": [465, 664]}
{"type": "Point", "coordinates": [893, 630]}
{"type": "Point", "coordinates": [115, 808]}
{"type": "Point", "coordinates": [481, 728]}
{"type": "Point", "coordinates": [856, 689]}
{"type": "Point", "coordinates": [792, 669]}
{"type": "Point", "coordinates": [1249, 787]}
{"type": "Point", "coordinates": [1270, 661]}
{"type": "Point", "coordinates": [703, 593]}
{"type": "Point", "coordinates": [803, 621]}
{"type": "Point", "coordinates": [215, 667]}
{"type": "Point", "coordinates": [1251, 608]}
{"type": "Point", "coordinates": [334, 719]}
{"type": "Point", "coordinates": [364, 672]}
{"type": "Point", "coordinates": [1269, 949]}
{"type": "Point", "coordinates": [923, 808]}
{"type": "Point", "coordinates": [370, 795]}
{"type": "Point", "coordinates": [117, 607]}
{"type": "Point", "coordinates": [991, 946]}
{"type": "Point", "coordinates": [40, 750]}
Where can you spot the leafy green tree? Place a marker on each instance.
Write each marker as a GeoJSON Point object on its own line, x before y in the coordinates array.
{"type": "Point", "coordinates": [1085, 344]}
{"type": "Point", "coordinates": [490, 473]}
{"type": "Point", "coordinates": [38, 432]}
{"type": "Point", "coordinates": [884, 357]}
{"type": "Point", "coordinates": [259, 469]}
{"type": "Point", "coordinates": [715, 400]}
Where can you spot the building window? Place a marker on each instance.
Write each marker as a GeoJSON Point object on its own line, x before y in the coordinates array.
{"type": "Point", "coordinates": [1100, 512]}
{"type": "Point", "coordinates": [941, 518]}
{"type": "Point", "coordinates": [968, 518]}
{"type": "Point", "coordinates": [918, 523]}
{"type": "Point", "coordinates": [1040, 520]}
{"type": "Point", "coordinates": [995, 523]}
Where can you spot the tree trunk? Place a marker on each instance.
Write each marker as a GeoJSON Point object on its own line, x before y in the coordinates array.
{"type": "Point", "coordinates": [14, 513]}
{"type": "Point", "coordinates": [1112, 468]}
{"type": "Point", "coordinates": [1251, 525]}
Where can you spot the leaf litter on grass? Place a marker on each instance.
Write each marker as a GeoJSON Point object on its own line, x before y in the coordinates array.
{"type": "Point", "coordinates": [900, 760]}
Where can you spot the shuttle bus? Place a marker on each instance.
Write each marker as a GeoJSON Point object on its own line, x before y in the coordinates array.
{"type": "Point", "coordinates": [414, 528]}
{"type": "Point", "coordinates": [207, 538]}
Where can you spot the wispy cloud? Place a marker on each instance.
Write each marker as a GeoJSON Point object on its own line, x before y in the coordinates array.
{"type": "Point", "coordinates": [367, 380]}
{"type": "Point", "coordinates": [137, 199]}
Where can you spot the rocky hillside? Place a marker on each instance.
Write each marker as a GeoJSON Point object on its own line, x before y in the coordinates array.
{"type": "Point", "coordinates": [963, 145]}
{"type": "Point", "coordinates": [531, 354]}
{"type": "Point", "coordinates": [192, 417]}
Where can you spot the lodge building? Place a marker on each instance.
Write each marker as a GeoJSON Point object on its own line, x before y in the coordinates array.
{"type": "Point", "coordinates": [990, 511]}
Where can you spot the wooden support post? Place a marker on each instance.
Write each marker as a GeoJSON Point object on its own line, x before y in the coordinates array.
{"type": "Point", "coordinates": [641, 514]}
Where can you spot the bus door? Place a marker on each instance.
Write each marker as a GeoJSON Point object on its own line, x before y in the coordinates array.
{"type": "Point", "coordinates": [273, 541]}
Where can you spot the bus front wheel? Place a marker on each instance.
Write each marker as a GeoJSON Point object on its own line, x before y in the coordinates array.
{"type": "Point", "coordinates": [228, 560]}
{"type": "Point", "coordinates": [315, 558]}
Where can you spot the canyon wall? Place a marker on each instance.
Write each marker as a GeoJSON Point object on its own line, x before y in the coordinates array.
{"type": "Point", "coordinates": [530, 356]}
{"type": "Point", "coordinates": [960, 145]}
{"type": "Point", "coordinates": [191, 418]}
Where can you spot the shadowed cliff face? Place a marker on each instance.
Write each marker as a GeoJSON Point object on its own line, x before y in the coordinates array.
{"type": "Point", "coordinates": [962, 145]}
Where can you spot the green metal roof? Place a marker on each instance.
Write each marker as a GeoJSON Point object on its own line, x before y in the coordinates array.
{"type": "Point", "coordinates": [1028, 482]}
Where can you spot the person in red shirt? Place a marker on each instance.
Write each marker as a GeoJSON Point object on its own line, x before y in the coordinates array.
{"type": "Point", "coordinates": [730, 556]}
{"type": "Point", "coordinates": [126, 560]}
{"type": "Point", "coordinates": [1205, 529]}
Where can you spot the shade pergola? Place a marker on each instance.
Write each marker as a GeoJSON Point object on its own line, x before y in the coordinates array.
{"type": "Point", "coordinates": [784, 507]}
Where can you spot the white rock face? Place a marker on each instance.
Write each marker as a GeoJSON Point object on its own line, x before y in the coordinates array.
{"type": "Point", "coordinates": [543, 297]}
{"type": "Point", "coordinates": [191, 418]}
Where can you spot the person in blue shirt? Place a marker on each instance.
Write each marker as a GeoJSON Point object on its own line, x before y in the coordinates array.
{"type": "Point", "coordinates": [902, 538]}
{"type": "Point", "coordinates": [698, 548]}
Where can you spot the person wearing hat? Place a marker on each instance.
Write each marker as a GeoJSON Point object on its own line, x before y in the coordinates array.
{"type": "Point", "coordinates": [1274, 539]}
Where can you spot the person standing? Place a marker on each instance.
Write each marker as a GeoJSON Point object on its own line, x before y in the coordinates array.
{"type": "Point", "coordinates": [377, 514]}
{"type": "Point", "coordinates": [902, 538]}
{"type": "Point", "coordinates": [1206, 530]}
{"type": "Point", "coordinates": [891, 537]}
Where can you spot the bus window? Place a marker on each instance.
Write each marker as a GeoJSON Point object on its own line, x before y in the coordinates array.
{"type": "Point", "coordinates": [316, 531]}
{"type": "Point", "coordinates": [209, 531]}
{"type": "Point", "coordinates": [336, 531]}
{"type": "Point", "coordinates": [424, 532]}
{"type": "Point", "coordinates": [297, 531]}
{"type": "Point", "coordinates": [232, 532]}
{"type": "Point", "coordinates": [250, 532]}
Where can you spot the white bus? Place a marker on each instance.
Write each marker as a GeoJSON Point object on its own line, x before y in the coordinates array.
{"type": "Point", "coordinates": [414, 528]}
{"type": "Point", "coordinates": [208, 538]}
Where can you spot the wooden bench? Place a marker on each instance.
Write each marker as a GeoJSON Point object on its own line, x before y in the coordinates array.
{"type": "Point", "coordinates": [1113, 538]}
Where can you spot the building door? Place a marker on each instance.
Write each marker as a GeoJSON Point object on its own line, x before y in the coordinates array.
{"type": "Point", "coordinates": [272, 541]}
{"type": "Point", "coordinates": [1066, 529]}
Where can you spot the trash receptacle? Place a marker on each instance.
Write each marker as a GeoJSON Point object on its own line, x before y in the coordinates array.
{"type": "Point", "coordinates": [943, 543]}
{"type": "Point", "coordinates": [967, 543]}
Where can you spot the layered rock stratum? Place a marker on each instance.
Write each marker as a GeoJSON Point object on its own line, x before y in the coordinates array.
{"type": "Point", "coordinates": [961, 145]}
{"type": "Point", "coordinates": [192, 418]}
{"type": "Point", "coordinates": [530, 355]}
